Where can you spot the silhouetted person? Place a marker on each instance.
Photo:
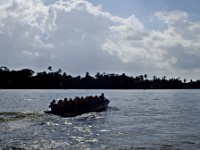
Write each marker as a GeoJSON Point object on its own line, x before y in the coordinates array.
{"type": "Point", "coordinates": [102, 97]}
{"type": "Point", "coordinates": [52, 103]}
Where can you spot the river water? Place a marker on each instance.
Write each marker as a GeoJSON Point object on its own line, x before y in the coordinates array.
{"type": "Point", "coordinates": [135, 119]}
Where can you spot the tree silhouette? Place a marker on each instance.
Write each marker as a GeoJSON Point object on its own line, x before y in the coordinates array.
{"type": "Point", "coordinates": [27, 78]}
{"type": "Point", "coordinates": [145, 76]}
{"type": "Point", "coordinates": [50, 68]}
{"type": "Point", "coordinates": [3, 68]}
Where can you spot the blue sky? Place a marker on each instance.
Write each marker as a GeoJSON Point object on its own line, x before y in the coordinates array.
{"type": "Point", "coordinates": [144, 9]}
{"type": "Point", "coordinates": [126, 8]}
{"type": "Point", "coordinates": [154, 37]}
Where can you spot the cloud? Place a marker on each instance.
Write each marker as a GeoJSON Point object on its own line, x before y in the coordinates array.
{"type": "Point", "coordinates": [64, 34]}
{"type": "Point", "coordinates": [174, 47]}
{"type": "Point", "coordinates": [77, 36]}
{"type": "Point", "coordinates": [171, 18]}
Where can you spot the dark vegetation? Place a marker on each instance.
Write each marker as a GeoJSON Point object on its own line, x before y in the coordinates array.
{"type": "Point", "coordinates": [28, 79]}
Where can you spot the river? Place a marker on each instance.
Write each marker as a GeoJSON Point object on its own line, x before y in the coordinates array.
{"type": "Point", "coordinates": [135, 119]}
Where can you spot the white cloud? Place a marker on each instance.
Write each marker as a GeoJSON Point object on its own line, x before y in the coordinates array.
{"type": "Point", "coordinates": [171, 18]}
{"type": "Point", "coordinates": [175, 47]}
{"type": "Point", "coordinates": [78, 37]}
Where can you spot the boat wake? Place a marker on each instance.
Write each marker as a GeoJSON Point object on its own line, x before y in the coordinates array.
{"type": "Point", "coordinates": [13, 116]}
{"type": "Point", "coordinates": [112, 108]}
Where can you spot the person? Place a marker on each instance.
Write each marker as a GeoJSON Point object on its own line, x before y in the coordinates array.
{"type": "Point", "coordinates": [52, 103]}
{"type": "Point", "coordinates": [102, 97]}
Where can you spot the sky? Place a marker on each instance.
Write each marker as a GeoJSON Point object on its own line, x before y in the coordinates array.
{"type": "Point", "coordinates": [136, 37]}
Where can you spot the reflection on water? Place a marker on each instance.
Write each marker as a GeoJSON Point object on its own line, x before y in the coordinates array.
{"type": "Point", "coordinates": [135, 119]}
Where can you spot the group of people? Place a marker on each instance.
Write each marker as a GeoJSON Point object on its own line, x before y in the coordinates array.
{"type": "Point", "coordinates": [76, 103]}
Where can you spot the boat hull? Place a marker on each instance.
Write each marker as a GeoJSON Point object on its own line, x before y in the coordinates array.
{"type": "Point", "coordinates": [72, 112]}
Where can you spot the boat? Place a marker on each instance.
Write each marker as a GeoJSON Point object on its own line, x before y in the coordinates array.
{"type": "Point", "coordinates": [77, 106]}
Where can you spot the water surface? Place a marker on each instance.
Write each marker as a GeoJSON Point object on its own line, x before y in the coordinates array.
{"type": "Point", "coordinates": [135, 119]}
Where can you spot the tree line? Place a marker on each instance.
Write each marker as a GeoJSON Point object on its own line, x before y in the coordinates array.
{"type": "Point", "coordinates": [28, 79]}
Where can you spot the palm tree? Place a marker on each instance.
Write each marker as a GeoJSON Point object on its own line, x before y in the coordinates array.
{"type": "Point", "coordinates": [59, 71]}
{"type": "Point", "coordinates": [154, 78]}
{"type": "Point", "coordinates": [145, 76]}
{"type": "Point", "coordinates": [4, 68]}
{"type": "Point", "coordinates": [50, 68]}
